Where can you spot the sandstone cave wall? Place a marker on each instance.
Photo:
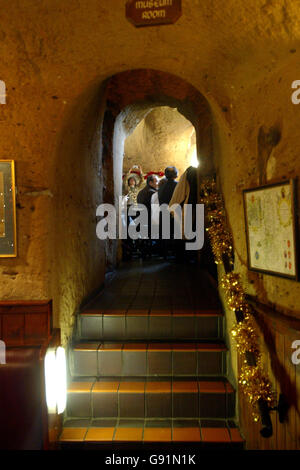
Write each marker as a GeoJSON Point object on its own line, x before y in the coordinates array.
{"type": "Point", "coordinates": [248, 155]}
{"type": "Point", "coordinates": [164, 137]}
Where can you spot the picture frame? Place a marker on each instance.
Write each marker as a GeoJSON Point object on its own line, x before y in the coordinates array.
{"type": "Point", "coordinates": [271, 229]}
{"type": "Point", "coordinates": [8, 238]}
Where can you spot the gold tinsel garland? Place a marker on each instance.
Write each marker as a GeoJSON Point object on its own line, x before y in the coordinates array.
{"type": "Point", "coordinates": [234, 293]}
{"type": "Point", "coordinates": [252, 379]}
{"type": "Point", "coordinates": [256, 385]}
{"type": "Point", "coordinates": [220, 239]}
{"type": "Point", "coordinates": [245, 336]}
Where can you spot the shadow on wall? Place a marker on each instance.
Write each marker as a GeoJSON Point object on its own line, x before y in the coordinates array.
{"type": "Point", "coordinates": [77, 255]}
{"type": "Point", "coordinates": [287, 386]}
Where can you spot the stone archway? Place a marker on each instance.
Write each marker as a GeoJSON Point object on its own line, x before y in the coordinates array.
{"type": "Point", "coordinates": [84, 175]}
{"type": "Point", "coordinates": [129, 97]}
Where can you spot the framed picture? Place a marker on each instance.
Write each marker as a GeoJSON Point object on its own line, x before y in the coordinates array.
{"type": "Point", "coordinates": [271, 227]}
{"type": "Point", "coordinates": [8, 245]}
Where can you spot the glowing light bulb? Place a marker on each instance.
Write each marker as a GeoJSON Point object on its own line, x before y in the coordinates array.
{"type": "Point", "coordinates": [194, 159]}
{"type": "Point", "coordinates": [61, 380]}
{"type": "Point", "coordinates": [56, 380]}
{"type": "Point", "coordinates": [50, 375]}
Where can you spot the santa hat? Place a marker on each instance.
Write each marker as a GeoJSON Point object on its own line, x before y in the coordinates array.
{"type": "Point", "coordinates": [157, 173]}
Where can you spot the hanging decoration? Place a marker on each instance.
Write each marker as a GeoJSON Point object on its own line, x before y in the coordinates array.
{"type": "Point", "coordinates": [160, 174]}
{"type": "Point", "coordinates": [252, 379]}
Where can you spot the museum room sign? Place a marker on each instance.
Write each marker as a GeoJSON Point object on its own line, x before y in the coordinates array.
{"type": "Point", "coordinates": [153, 12]}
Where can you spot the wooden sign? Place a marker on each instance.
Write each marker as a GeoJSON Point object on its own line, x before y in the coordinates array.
{"type": "Point", "coordinates": [153, 12]}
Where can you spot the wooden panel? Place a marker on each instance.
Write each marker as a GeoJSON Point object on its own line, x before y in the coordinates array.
{"type": "Point", "coordinates": [20, 397]}
{"type": "Point", "coordinates": [270, 443]}
{"type": "Point", "coordinates": [36, 327]}
{"type": "Point", "coordinates": [23, 397]}
{"type": "Point", "coordinates": [277, 334]}
{"type": "Point", "coordinates": [13, 329]}
{"type": "Point", "coordinates": [280, 378]}
{"type": "Point", "coordinates": [297, 430]}
{"type": "Point", "coordinates": [291, 439]}
{"type": "Point", "coordinates": [25, 322]}
{"type": "Point", "coordinates": [141, 14]}
{"type": "Point", "coordinates": [24, 306]}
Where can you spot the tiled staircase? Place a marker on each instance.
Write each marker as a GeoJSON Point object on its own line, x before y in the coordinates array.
{"type": "Point", "coordinates": [148, 364]}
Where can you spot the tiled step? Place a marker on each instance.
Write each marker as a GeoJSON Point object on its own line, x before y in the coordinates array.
{"type": "Point", "coordinates": [148, 359]}
{"type": "Point", "coordinates": [155, 324]}
{"type": "Point", "coordinates": [200, 432]}
{"type": "Point", "coordinates": [149, 365]}
{"type": "Point", "coordinates": [151, 399]}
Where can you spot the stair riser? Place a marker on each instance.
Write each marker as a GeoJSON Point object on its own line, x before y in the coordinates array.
{"type": "Point", "coordinates": [147, 360]}
{"type": "Point", "coordinates": [116, 328]}
{"type": "Point", "coordinates": [147, 363]}
{"type": "Point", "coordinates": [152, 448]}
{"type": "Point", "coordinates": [150, 405]}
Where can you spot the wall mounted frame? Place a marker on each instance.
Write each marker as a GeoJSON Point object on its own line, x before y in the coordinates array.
{"type": "Point", "coordinates": [8, 239]}
{"type": "Point", "coordinates": [271, 229]}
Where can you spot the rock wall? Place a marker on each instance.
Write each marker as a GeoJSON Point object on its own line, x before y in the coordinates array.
{"type": "Point", "coordinates": [55, 59]}
{"type": "Point", "coordinates": [164, 137]}
{"type": "Point", "coordinates": [261, 147]}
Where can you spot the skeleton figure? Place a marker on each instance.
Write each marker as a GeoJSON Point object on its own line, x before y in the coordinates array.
{"type": "Point", "coordinates": [133, 183]}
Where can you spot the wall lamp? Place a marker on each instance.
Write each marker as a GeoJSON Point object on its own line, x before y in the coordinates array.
{"type": "Point", "coordinates": [56, 380]}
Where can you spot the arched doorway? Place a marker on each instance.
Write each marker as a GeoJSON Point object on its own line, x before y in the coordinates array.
{"type": "Point", "coordinates": [129, 97]}
{"type": "Point", "coordinates": [88, 172]}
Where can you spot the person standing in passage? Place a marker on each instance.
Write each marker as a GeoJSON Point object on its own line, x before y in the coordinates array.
{"type": "Point", "coordinates": [186, 192]}
{"type": "Point", "coordinates": [164, 196]}
{"type": "Point", "coordinates": [144, 197]}
{"type": "Point", "coordinates": [165, 192]}
{"type": "Point", "coordinates": [155, 213]}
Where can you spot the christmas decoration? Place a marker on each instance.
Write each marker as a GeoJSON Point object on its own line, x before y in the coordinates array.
{"type": "Point", "coordinates": [160, 174]}
{"type": "Point", "coordinates": [252, 379]}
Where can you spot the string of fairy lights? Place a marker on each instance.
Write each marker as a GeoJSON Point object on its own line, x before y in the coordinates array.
{"type": "Point", "coordinates": [252, 379]}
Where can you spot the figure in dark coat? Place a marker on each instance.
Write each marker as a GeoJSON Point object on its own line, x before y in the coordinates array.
{"type": "Point", "coordinates": [145, 195]}
{"type": "Point", "coordinates": [165, 192]}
